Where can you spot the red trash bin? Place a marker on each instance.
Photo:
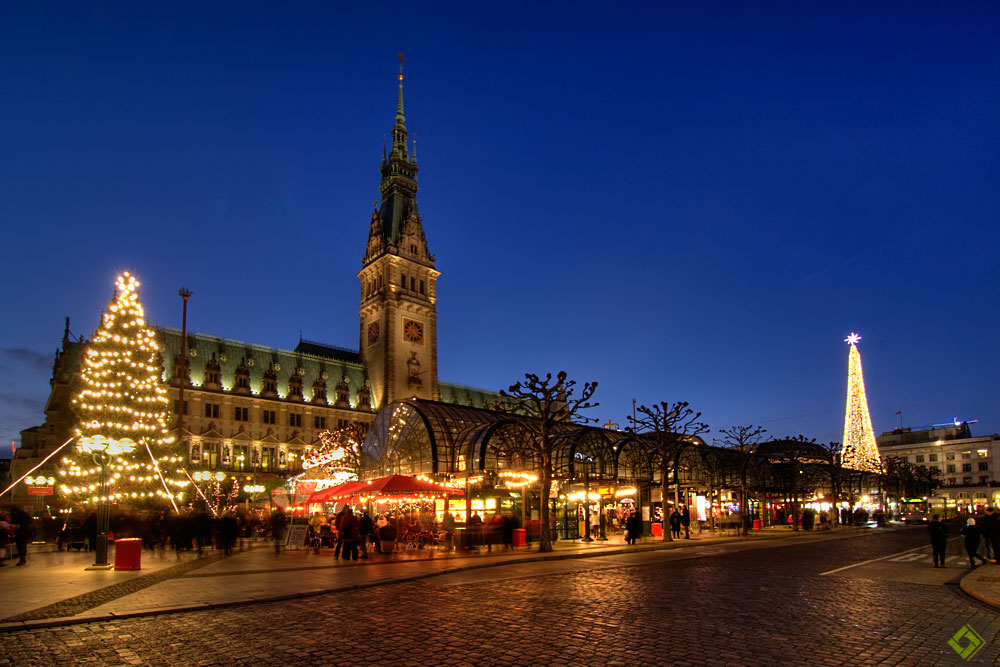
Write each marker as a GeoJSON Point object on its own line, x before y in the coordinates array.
{"type": "Point", "coordinates": [520, 537]}
{"type": "Point", "coordinates": [756, 524]}
{"type": "Point", "coordinates": [657, 529]}
{"type": "Point", "coordinates": [128, 553]}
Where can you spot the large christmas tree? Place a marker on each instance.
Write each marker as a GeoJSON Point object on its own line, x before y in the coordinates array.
{"type": "Point", "coordinates": [121, 399]}
{"type": "Point", "coordinates": [859, 451]}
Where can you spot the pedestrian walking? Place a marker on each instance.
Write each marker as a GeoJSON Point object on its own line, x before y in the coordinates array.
{"type": "Point", "coordinates": [988, 526]}
{"type": "Point", "coordinates": [4, 537]}
{"type": "Point", "coordinates": [278, 529]}
{"type": "Point", "coordinates": [972, 536]}
{"type": "Point", "coordinates": [633, 527]}
{"type": "Point", "coordinates": [365, 527]}
{"type": "Point", "coordinates": [992, 536]}
{"type": "Point", "coordinates": [350, 530]}
{"type": "Point", "coordinates": [686, 522]}
{"type": "Point", "coordinates": [675, 525]}
{"type": "Point", "coordinates": [939, 539]}
{"type": "Point", "coordinates": [24, 529]}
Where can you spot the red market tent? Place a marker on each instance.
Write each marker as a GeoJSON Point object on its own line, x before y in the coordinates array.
{"type": "Point", "coordinates": [398, 487]}
{"type": "Point", "coordinates": [333, 493]}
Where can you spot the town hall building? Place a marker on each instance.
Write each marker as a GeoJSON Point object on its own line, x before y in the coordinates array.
{"type": "Point", "coordinates": [253, 408]}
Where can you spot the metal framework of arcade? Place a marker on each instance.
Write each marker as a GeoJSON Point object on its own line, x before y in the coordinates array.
{"type": "Point", "coordinates": [487, 449]}
{"type": "Point", "coordinates": [490, 448]}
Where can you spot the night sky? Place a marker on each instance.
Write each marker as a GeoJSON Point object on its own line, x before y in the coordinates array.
{"type": "Point", "coordinates": [697, 202]}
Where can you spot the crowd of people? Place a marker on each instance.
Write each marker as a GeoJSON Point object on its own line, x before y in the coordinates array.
{"type": "Point", "coordinates": [983, 531]}
{"type": "Point", "coordinates": [351, 534]}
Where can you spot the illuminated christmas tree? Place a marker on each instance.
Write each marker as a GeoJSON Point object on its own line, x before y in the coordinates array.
{"type": "Point", "coordinates": [338, 459]}
{"type": "Point", "coordinates": [121, 405]}
{"type": "Point", "coordinates": [859, 451]}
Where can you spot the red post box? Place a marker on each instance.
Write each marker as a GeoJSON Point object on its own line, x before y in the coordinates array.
{"type": "Point", "coordinates": [128, 553]}
{"type": "Point", "coordinates": [520, 537]}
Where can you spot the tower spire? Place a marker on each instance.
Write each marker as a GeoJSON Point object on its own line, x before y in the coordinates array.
{"type": "Point", "coordinates": [400, 118]}
{"type": "Point", "coordinates": [399, 178]}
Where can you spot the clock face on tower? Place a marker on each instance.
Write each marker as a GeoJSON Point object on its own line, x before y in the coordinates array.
{"type": "Point", "coordinates": [413, 331]}
{"type": "Point", "coordinates": [373, 331]}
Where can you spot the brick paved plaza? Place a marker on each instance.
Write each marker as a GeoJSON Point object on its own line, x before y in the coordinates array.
{"type": "Point", "coordinates": [728, 603]}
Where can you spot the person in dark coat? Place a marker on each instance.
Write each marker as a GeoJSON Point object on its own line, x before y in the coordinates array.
{"type": "Point", "coordinates": [633, 527]}
{"type": "Point", "coordinates": [675, 525]}
{"type": "Point", "coordinates": [228, 530]}
{"type": "Point", "coordinates": [992, 536]}
{"type": "Point", "coordinates": [24, 530]}
{"type": "Point", "coordinates": [4, 537]}
{"type": "Point", "coordinates": [202, 531]}
{"type": "Point", "coordinates": [972, 536]}
{"type": "Point", "coordinates": [365, 527]}
{"type": "Point", "coordinates": [350, 530]}
{"type": "Point", "coordinates": [987, 526]}
{"type": "Point", "coordinates": [939, 539]}
{"type": "Point", "coordinates": [686, 522]}
{"type": "Point", "coordinates": [278, 522]}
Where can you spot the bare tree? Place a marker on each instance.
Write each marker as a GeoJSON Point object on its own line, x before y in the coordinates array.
{"type": "Point", "coordinates": [547, 406]}
{"type": "Point", "coordinates": [342, 448]}
{"type": "Point", "coordinates": [794, 452]}
{"type": "Point", "coordinates": [835, 473]}
{"type": "Point", "coordinates": [670, 428]}
{"type": "Point", "coordinates": [744, 440]}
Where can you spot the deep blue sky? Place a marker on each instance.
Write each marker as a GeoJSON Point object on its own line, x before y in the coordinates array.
{"type": "Point", "coordinates": [694, 202]}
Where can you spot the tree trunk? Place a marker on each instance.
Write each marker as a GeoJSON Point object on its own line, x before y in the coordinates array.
{"type": "Point", "coordinates": [544, 534]}
{"type": "Point", "coordinates": [664, 492]}
{"type": "Point", "coordinates": [744, 510]}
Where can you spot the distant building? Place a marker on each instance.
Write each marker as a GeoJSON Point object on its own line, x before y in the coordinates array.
{"type": "Point", "coordinates": [968, 465]}
{"type": "Point", "coordinates": [251, 408]}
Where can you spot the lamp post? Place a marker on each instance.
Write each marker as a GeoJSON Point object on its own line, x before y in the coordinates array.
{"type": "Point", "coordinates": [104, 450]}
{"type": "Point", "coordinates": [184, 293]}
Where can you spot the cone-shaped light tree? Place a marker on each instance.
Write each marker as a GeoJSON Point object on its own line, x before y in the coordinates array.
{"type": "Point", "coordinates": [121, 400]}
{"type": "Point", "coordinates": [859, 451]}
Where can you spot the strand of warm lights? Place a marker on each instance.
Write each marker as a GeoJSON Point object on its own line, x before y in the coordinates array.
{"type": "Point", "coordinates": [122, 406]}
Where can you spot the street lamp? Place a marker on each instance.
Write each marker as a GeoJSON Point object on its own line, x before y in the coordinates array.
{"type": "Point", "coordinates": [104, 450]}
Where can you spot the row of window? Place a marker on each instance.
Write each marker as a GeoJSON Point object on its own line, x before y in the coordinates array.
{"type": "Point", "coordinates": [414, 284]}
{"type": "Point", "coordinates": [242, 457]}
{"type": "Point", "coordinates": [242, 414]}
{"type": "Point", "coordinates": [950, 456]}
{"type": "Point", "coordinates": [983, 479]}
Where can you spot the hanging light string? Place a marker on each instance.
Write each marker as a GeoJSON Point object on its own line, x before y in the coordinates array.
{"type": "Point", "coordinates": [39, 465]}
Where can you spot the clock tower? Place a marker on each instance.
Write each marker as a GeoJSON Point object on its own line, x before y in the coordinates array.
{"type": "Point", "coordinates": [398, 293]}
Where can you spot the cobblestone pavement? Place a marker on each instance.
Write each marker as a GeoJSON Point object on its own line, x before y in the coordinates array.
{"type": "Point", "coordinates": [762, 607]}
{"type": "Point", "coordinates": [86, 601]}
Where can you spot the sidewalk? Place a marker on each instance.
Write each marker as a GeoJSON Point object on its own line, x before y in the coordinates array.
{"type": "Point", "coordinates": [983, 583]}
{"type": "Point", "coordinates": [55, 589]}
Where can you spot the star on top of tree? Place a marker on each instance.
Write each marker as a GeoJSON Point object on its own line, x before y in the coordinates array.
{"type": "Point", "coordinates": [852, 339]}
